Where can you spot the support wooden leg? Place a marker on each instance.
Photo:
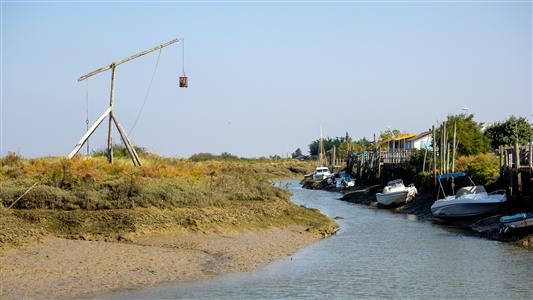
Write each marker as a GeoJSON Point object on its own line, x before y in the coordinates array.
{"type": "Point", "coordinates": [88, 133]}
{"type": "Point", "coordinates": [129, 145]}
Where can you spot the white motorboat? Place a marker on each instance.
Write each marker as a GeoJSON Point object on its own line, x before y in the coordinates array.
{"type": "Point", "coordinates": [396, 192]}
{"type": "Point", "coordinates": [468, 201]}
{"type": "Point", "coordinates": [321, 173]}
{"type": "Point", "coordinates": [344, 181]}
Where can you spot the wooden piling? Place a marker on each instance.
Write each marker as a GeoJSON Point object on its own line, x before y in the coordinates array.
{"type": "Point", "coordinates": [531, 154]}
{"type": "Point", "coordinates": [447, 157]}
{"type": "Point", "coordinates": [517, 166]}
{"type": "Point", "coordinates": [454, 145]}
{"type": "Point", "coordinates": [434, 146]}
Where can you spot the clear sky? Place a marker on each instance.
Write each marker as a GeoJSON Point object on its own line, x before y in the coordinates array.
{"type": "Point", "coordinates": [263, 76]}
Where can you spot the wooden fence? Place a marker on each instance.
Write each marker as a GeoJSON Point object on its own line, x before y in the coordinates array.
{"type": "Point", "coordinates": [516, 170]}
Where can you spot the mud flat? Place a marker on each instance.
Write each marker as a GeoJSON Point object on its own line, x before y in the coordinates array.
{"type": "Point", "coordinates": [57, 267]}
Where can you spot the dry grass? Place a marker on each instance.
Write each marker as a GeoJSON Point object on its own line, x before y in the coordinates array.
{"type": "Point", "coordinates": [88, 198]}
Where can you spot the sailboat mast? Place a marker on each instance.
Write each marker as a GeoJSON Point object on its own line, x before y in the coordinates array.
{"type": "Point", "coordinates": [321, 154]}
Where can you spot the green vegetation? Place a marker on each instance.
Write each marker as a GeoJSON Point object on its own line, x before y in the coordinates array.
{"type": "Point", "coordinates": [484, 168]}
{"type": "Point", "coordinates": [389, 133]}
{"type": "Point", "coordinates": [89, 198]}
{"type": "Point", "coordinates": [342, 145]}
{"type": "Point", "coordinates": [513, 130]}
{"type": "Point", "coordinates": [470, 140]}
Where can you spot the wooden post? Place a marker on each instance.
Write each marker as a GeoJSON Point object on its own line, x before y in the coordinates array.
{"type": "Point", "coordinates": [454, 145]}
{"type": "Point", "coordinates": [439, 154]}
{"type": "Point", "coordinates": [517, 156]}
{"type": "Point", "coordinates": [434, 146]}
{"type": "Point", "coordinates": [531, 154]}
{"type": "Point", "coordinates": [445, 147]}
{"type": "Point", "coordinates": [424, 162]}
{"type": "Point", "coordinates": [517, 166]}
{"type": "Point", "coordinates": [334, 160]}
{"type": "Point", "coordinates": [111, 104]}
{"type": "Point", "coordinates": [447, 157]}
{"type": "Point", "coordinates": [379, 163]}
{"type": "Point", "coordinates": [500, 150]}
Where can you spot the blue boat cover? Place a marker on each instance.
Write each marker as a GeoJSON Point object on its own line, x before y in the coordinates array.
{"type": "Point", "coordinates": [450, 175]}
{"type": "Point", "coordinates": [513, 218]}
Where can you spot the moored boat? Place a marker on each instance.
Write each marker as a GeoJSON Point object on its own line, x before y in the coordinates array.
{"type": "Point", "coordinates": [468, 201]}
{"type": "Point", "coordinates": [395, 193]}
{"type": "Point", "coordinates": [321, 173]}
{"type": "Point", "coordinates": [517, 221]}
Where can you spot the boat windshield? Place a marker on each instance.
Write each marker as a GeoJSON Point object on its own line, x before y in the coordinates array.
{"type": "Point", "coordinates": [478, 189]}
{"type": "Point", "coordinates": [395, 182]}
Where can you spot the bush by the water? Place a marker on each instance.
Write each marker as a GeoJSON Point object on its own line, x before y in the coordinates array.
{"type": "Point", "coordinates": [484, 168]}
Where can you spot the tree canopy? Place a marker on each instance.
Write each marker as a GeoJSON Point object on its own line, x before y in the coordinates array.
{"type": "Point", "coordinates": [342, 145]}
{"type": "Point", "coordinates": [470, 139]}
{"type": "Point", "coordinates": [513, 130]}
{"type": "Point", "coordinates": [297, 153]}
{"type": "Point", "coordinates": [389, 133]}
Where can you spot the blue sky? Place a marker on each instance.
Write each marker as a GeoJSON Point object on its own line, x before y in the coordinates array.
{"type": "Point", "coordinates": [263, 76]}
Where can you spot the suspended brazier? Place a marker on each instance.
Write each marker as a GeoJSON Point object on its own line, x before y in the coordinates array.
{"type": "Point", "coordinates": [184, 81]}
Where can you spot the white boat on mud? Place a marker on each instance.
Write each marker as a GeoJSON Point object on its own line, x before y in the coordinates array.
{"type": "Point", "coordinates": [321, 173]}
{"type": "Point", "coordinates": [395, 193]}
{"type": "Point", "coordinates": [343, 181]}
{"type": "Point", "coordinates": [468, 201]}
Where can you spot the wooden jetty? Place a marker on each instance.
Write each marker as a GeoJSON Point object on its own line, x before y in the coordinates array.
{"type": "Point", "coordinates": [516, 170]}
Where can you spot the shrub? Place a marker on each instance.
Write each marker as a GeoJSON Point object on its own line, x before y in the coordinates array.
{"type": "Point", "coordinates": [483, 168]}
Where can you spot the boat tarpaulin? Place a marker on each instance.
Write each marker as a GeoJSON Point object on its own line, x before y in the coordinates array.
{"type": "Point", "coordinates": [451, 175]}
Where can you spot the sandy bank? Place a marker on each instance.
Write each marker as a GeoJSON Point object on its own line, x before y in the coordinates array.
{"type": "Point", "coordinates": [69, 268]}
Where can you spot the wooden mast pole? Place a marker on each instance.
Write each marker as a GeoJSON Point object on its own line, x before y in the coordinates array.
{"type": "Point", "coordinates": [111, 104]}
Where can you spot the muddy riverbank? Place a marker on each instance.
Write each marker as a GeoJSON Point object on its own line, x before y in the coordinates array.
{"type": "Point", "coordinates": [57, 268]}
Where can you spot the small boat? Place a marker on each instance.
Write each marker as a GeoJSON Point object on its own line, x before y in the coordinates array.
{"type": "Point", "coordinates": [396, 192]}
{"type": "Point", "coordinates": [468, 201]}
{"type": "Point", "coordinates": [517, 221]}
{"type": "Point", "coordinates": [344, 181]}
{"type": "Point", "coordinates": [321, 173]}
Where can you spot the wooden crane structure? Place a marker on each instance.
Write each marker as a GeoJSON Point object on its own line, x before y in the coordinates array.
{"type": "Point", "coordinates": [109, 112]}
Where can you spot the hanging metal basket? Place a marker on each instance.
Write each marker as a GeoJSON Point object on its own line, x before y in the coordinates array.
{"type": "Point", "coordinates": [184, 82]}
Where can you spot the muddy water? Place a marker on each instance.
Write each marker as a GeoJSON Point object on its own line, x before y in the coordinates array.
{"type": "Point", "coordinates": [376, 254]}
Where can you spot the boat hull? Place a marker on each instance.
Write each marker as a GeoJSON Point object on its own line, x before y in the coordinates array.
{"type": "Point", "coordinates": [392, 198]}
{"type": "Point", "coordinates": [461, 210]}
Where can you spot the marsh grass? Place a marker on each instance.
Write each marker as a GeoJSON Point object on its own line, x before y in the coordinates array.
{"type": "Point", "coordinates": [88, 198]}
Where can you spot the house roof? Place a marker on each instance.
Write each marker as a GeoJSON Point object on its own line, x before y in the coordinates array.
{"type": "Point", "coordinates": [422, 135]}
{"type": "Point", "coordinates": [405, 136]}
{"type": "Point", "coordinates": [402, 136]}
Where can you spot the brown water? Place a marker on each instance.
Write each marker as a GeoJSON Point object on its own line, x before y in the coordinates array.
{"type": "Point", "coordinates": [376, 255]}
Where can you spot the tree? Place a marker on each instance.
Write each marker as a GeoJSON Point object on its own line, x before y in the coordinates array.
{"type": "Point", "coordinates": [328, 144]}
{"type": "Point", "coordinates": [297, 153]}
{"type": "Point", "coordinates": [469, 140]}
{"type": "Point", "coordinates": [343, 145]}
{"type": "Point", "coordinates": [513, 130]}
{"type": "Point", "coordinates": [388, 134]}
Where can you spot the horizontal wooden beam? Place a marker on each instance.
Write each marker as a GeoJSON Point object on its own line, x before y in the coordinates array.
{"type": "Point", "coordinates": [134, 56]}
